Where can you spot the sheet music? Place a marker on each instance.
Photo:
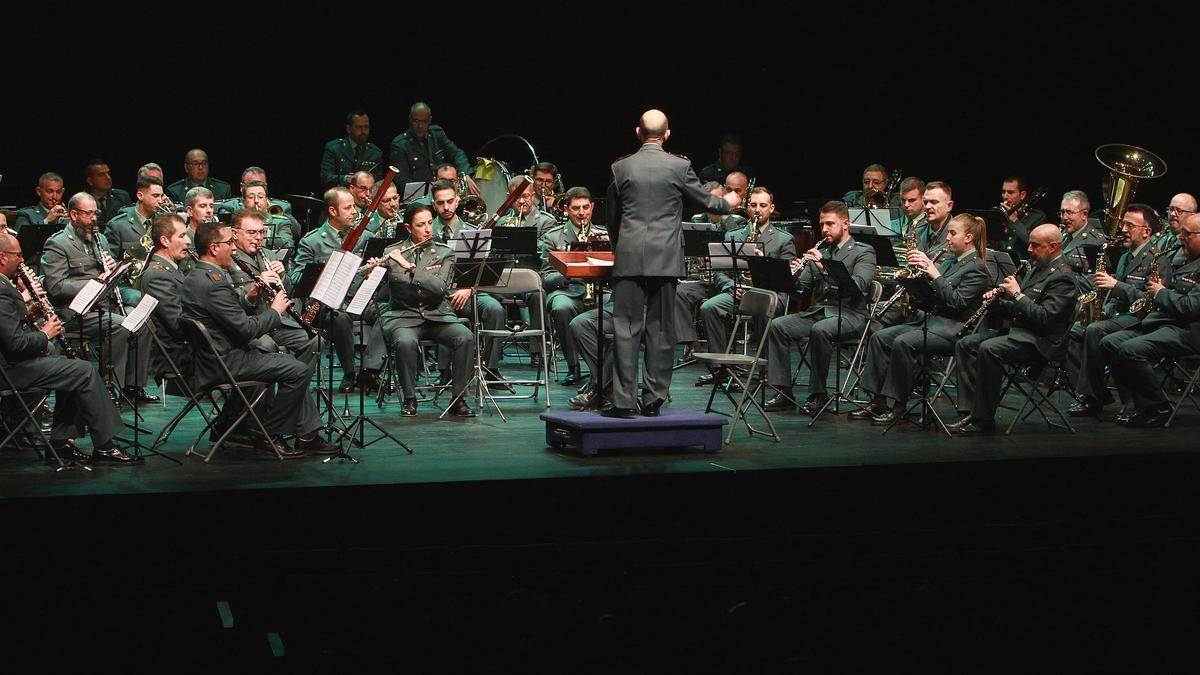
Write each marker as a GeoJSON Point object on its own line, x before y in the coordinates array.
{"type": "Point", "coordinates": [472, 244]}
{"type": "Point", "coordinates": [87, 295]}
{"type": "Point", "coordinates": [366, 291]}
{"type": "Point", "coordinates": [137, 318]}
{"type": "Point", "coordinates": [599, 262]}
{"type": "Point", "coordinates": [336, 277]}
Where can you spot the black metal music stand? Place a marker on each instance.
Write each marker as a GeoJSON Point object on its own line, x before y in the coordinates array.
{"type": "Point", "coordinates": [470, 273]}
{"type": "Point", "coordinates": [303, 288]}
{"type": "Point", "coordinates": [846, 287]}
{"type": "Point", "coordinates": [921, 295]}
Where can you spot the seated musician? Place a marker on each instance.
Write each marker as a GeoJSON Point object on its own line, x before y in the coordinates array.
{"type": "Point", "coordinates": [72, 258]}
{"type": "Point", "coordinates": [729, 159]}
{"type": "Point", "coordinates": [938, 200]}
{"type": "Point", "coordinates": [874, 179]}
{"type": "Point", "coordinates": [894, 354]}
{"type": "Point", "coordinates": [449, 174]}
{"type": "Point", "coordinates": [209, 297]}
{"type": "Point", "coordinates": [1116, 293]}
{"type": "Point", "coordinates": [1013, 194]}
{"type": "Point", "coordinates": [362, 186]}
{"type": "Point", "coordinates": [163, 280]}
{"type": "Point", "coordinates": [282, 230]}
{"type": "Point", "coordinates": [125, 232]}
{"type": "Point", "coordinates": [30, 361]}
{"type": "Point", "coordinates": [195, 166]}
{"type": "Point", "coordinates": [1171, 329]}
{"type": "Point", "coordinates": [109, 200]}
{"type": "Point", "coordinates": [737, 183]}
{"type": "Point", "coordinates": [1080, 234]}
{"type": "Point", "coordinates": [776, 243]}
{"type": "Point", "coordinates": [50, 207]}
{"type": "Point", "coordinates": [419, 272]}
{"type": "Point", "coordinates": [1041, 306]}
{"type": "Point", "coordinates": [723, 222]}
{"type": "Point", "coordinates": [390, 218]}
{"type": "Point", "coordinates": [1182, 205]}
{"type": "Point", "coordinates": [248, 230]}
{"type": "Point", "coordinates": [315, 248]}
{"type": "Point", "coordinates": [344, 156]}
{"type": "Point", "coordinates": [565, 297]}
{"type": "Point", "coordinates": [912, 206]}
{"type": "Point", "coordinates": [546, 183]}
{"type": "Point", "coordinates": [823, 324]}
{"type": "Point", "coordinates": [524, 213]}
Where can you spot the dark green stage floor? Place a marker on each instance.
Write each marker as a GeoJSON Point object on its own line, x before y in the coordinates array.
{"type": "Point", "coordinates": [487, 448]}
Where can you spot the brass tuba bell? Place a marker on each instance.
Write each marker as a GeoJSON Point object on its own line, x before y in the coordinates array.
{"type": "Point", "coordinates": [1126, 164]}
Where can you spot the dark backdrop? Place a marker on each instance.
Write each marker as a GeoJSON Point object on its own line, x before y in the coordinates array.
{"type": "Point", "coordinates": [960, 96]}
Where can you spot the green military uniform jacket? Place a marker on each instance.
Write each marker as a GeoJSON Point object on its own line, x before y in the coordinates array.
{"type": "Point", "coordinates": [535, 218]}
{"type": "Point", "coordinates": [717, 172]}
{"type": "Point", "coordinates": [556, 239]}
{"type": "Point", "coordinates": [124, 233]}
{"type": "Point", "coordinates": [343, 157]}
{"type": "Point", "coordinates": [34, 215]}
{"type": "Point", "coordinates": [859, 260]}
{"type": "Point", "coordinates": [318, 245]}
{"type": "Point", "coordinates": [68, 263]}
{"type": "Point", "coordinates": [242, 282]}
{"type": "Point", "coordinates": [415, 159]}
{"type": "Point", "coordinates": [422, 294]}
{"type": "Point", "coordinates": [220, 189]}
{"type": "Point", "coordinates": [17, 341]}
{"type": "Point", "coordinates": [1042, 315]}
{"type": "Point", "coordinates": [209, 297]}
{"type": "Point", "coordinates": [111, 204]}
{"type": "Point", "coordinates": [777, 243]}
{"type": "Point", "coordinates": [163, 279]}
{"type": "Point", "coordinates": [957, 293]}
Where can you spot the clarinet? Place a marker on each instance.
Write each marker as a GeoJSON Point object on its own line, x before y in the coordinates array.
{"type": "Point", "coordinates": [270, 291]}
{"type": "Point", "coordinates": [106, 260]}
{"type": "Point", "coordinates": [968, 326]}
{"type": "Point", "coordinates": [909, 275]}
{"type": "Point", "coordinates": [44, 306]}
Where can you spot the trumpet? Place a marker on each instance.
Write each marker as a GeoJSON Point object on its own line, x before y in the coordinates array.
{"type": "Point", "coordinates": [1021, 208]}
{"type": "Point", "coordinates": [165, 205]}
{"type": "Point", "coordinates": [45, 311]}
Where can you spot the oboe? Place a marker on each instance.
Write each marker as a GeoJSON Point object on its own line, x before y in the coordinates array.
{"type": "Point", "coordinates": [969, 325]}
{"type": "Point", "coordinates": [44, 306]}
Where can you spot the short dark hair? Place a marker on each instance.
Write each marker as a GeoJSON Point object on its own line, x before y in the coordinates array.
{"type": "Point", "coordinates": [547, 167]}
{"type": "Point", "coordinates": [911, 183]}
{"type": "Point", "coordinates": [940, 185]}
{"type": "Point", "coordinates": [1022, 186]}
{"type": "Point", "coordinates": [1148, 214]}
{"type": "Point", "coordinates": [413, 209]}
{"type": "Point", "coordinates": [836, 206]}
{"type": "Point", "coordinates": [146, 180]}
{"type": "Point", "coordinates": [255, 183]}
{"type": "Point", "coordinates": [242, 214]}
{"type": "Point", "coordinates": [331, 195]}
{"type": "Point", "coordinates": [445, 165]}
{"type": "Point", "coordinates": [208, 234]}
{"type": "Point", "coordinates": [577, 193]}
{"type": "Point", "coordinates": [876, 167]}
{"type": "Point", "coordinates": [731, 139]}
{"type": "Point", "coordinates": [441, 185]}
{"type": "Point", "coordinates": [760, 188]}
{"type": "Point", "coordinates": [95, 161]}
{"type": "Point", "coordinates": [357, 112]}
{"type": "Point", "coordinates": [163, 225]}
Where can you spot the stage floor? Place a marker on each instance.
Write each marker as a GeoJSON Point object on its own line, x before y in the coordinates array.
{"type": "Point", "coordinates": [486, 448]}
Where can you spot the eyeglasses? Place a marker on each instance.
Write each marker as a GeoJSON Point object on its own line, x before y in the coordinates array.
{"type": "Point", "coordinates": [228, 241]}
{"type": "Point", "coordinates": [1069, 212]}
{"type": "Point", "coordinates": [1184, 234]}
{"type": "Point", "coordinates": [253, 232]}
{"type": "Point", "coordinates": [86, 213]}
{"type": "Point", "coordinates": [1177, 210]}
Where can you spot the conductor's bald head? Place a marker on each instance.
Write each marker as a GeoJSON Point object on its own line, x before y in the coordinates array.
{"type": "Point", "coordinates": [652, 127]}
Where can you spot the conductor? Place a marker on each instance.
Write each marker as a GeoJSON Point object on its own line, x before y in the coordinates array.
{"type": "Point", "coordinates": [646, 197]}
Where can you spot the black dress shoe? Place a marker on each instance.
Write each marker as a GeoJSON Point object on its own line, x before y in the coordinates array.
{"type": "Point", "coordinates": [955, 426]}
{"type": "Point", "coordinates": [1149, 418]}
{"type": "Point", "coordinates": [780, 402]}
{"type": "Point", "coordinates": [316, 445]}
{"type": "Point", "coordinates": [279, 447]}
{"type": "Point", "coordinates": [574, 378]}
{"type": "Point", "coordinates": [408, 407]}
{"type": "Point", "coordinates": [586, 399]}
{"type": "Point", "coordinates": [622, 413]}
{"type": "Point", "coordinates": [461, 409]}
{"type": "Point", "coordinates": [813, 405]}
{"type": "Point", "coordinates": [111, 455]}
{"type": "Point", "coordinates": [139, 395]}
{"type": "Point", "coordinates": [369, 381]}
{"type": "Point", "coordinates": [651, 409]}
{"type": "Point", "coordinates": [1123, 418]}
{"type": "Point", "coordinates": [68, 452]}
{"type": "Point", "coordinates": [978, 428]}
{"type": "Point", "coordinates": [868, 413]}
{"type": "Point", "coordinates": [347, 385]}
{"type": "Point", "coordinates": [1085, 407]}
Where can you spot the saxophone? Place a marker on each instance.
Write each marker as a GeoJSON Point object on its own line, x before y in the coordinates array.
{"type": "Point", "coordinates": [1141, 303]}
{"type": "Point", "coordinates": [1091, 304]}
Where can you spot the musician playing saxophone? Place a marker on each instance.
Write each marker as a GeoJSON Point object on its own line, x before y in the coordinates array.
{"type": "Point", "coordinates": [1085, 359]}
{"type": "Point", "coordinates": [895, 354]}
{"type": "Point", "coordinates": [1041, 306]}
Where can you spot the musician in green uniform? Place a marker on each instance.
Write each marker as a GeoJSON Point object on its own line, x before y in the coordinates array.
{"type": "Point", "coordinates": [422, 147]}
{"type": "Point", "coordinates": [49, 208]}
{"type": "Point", "coordinates": [729, 159]}
{"type": "Point", "coordinates": [109, 200]}
{"type": "Point", "coordinates": [195, 165]}
{"type": "Point", "coordinates": [345, 156]}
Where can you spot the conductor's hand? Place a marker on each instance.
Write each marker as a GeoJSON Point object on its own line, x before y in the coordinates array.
{"type": "Point", "coordinates": [1011, 286]}
{"type": "Point", "coordinates": [733, 199]}
{"type": "Point", "coordinates": [52, 327]}
{"type": "Point", "coordinates": [459, 298]}
{"type": "Point", "coordinates": [1105, 280]}
{"type": "Point", "coordinates": [280, 303]}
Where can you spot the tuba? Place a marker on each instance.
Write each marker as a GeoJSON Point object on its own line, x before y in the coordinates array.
{"type": "Point", "coordinates": [1126, 164]}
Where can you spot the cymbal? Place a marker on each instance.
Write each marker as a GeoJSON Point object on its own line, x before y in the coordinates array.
{"type": "Point", "coordinates": [305, 200]}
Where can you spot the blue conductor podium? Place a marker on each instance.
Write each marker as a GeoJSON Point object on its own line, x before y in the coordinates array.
{"type": "Point", "coordinates": [589, 432]}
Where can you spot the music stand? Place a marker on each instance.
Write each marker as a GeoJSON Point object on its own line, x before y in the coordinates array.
{"type": "Point", "coordinates": [33, 240]}
{"type": "Point", "coordinates": [885, 255]}
{"type": "Point", "coordinates": [999, 265]}
{"type": "Point", "coordinates": [997, 223]}
{"type": "Point", "coordinates": [414, 190]}
{"type": "Point", "coordinates": [846, 288]}
{"type": "Point", "coordinates": [879, 220]}
{"type": "Point", "coordinates": [376, 245]}
{"type": "Point", "coordinates": [922, 296]}
{"type": "Point", "coordinates": [302, 289]}
{"type": "Point", "coordinates": [470, 272]}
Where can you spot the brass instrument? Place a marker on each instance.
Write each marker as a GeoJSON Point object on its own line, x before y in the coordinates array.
{"type": "Point", "coordinates": [589, 236]}
{"type": "Point", "coordinates": [882, 199]}
{"type": "Point", "coordinates": [165, 205]}
{"type": "Point", "coordinates": [1141, 303]}
{"type": "Point", "coordinates": [45, 311]}
{"type": "Point", "coordinates": [1022, 208]}
{"type": "Point", "coordinates": [972, 321]}
{"type": "Point", "coordinates": [908, 273]}
{"type": "Point", "coordinates": [274, 209]}
{"type": "Point", "coordinates": [1126, 164]}
{"type": "Point", "coordinates": [741, 210]}
{"type": "Point", "coordinates": [472, 209]}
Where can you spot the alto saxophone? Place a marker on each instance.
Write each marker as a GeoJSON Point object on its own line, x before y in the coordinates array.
{"type": "Point", "coordinates": [1141, 303]}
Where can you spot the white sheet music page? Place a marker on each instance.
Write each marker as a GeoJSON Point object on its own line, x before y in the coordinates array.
{"type": "Point", "coordinates": [336, 278]}
{"type": "Point", "coordinates": [137, 318]}
{"type": "Point", "coordinates": [83, 300]}
{"type": "Point", "coordinates": [599, 262]}
{"type": "Point", "coordinates": [366, 291]}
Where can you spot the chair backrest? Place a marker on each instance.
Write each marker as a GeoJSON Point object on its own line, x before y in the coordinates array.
{"type": "Point", "coordinates": [515, 280]}
{"type": "Point", "coordinates": [200, 339]}
{"type": "Point", "coordinates": [876, 292]}
{"type": "Point", "coordinates": [757, 303]}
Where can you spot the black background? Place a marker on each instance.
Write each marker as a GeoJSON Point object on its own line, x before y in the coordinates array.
{"type": "Point", "coordinates": [961, 94]}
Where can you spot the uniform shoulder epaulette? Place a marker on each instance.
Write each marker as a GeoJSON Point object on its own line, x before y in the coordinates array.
{"type": "Point", "coordinates": [159, 266]}
{"type": "Point", "coordinates": [1065, 269]}
{"type": "Point", "coordinates": [215, 277]}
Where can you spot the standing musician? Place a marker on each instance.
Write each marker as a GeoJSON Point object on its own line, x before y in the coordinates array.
{"type": "Point", "coordinates": [315, 248]}
{"type": "Point", "coordinates": [124, 233]}
{"type": "Point", "coordinates": [422, 147]}
{"type": "Point", "coordinates": [912, 206]}
{"type": "Point", "coordinates": [109, 200]}
{"type": "Point", "coordinates": [1079, 234]}
{"type": "Point", "coordinates": [248, 230]}
{"type": "Point", "coordinates": [343, 157]}
{"type": "Point", "coordinates": [29, 360]}
{"type": "Point", "coordinates": [209, 297]}
{"type": "Point", "coordinates": [939, 202]}
{"type": "Point", "coordinates": [874, 179]}
{"type": "Point", "coordinates": [446, 227]}
{"type": "Point", "coordinates": [281, 230]}
{"type": "Point", "coordinates": [1041, 306]}
{"type": "Point", "coordinates": [565, 299]}
{"type": "Point", "coordinates": [195, 165]}
{"type": "Point", "coordinates": [821, 324]}
{"type": "Point", "coordinates": [894, 354]}
{"type": "Point", "coordinates": [715, 311]}
{"type": "Point", "coordinates": [163, 279]}
{"type": "Point", "coordinates": [1013, 193]}
{"type": "Point", "coordinates": [1171, 329]}
{"type": "Point", "coordinates": [419, 271]}
{"type": "Point", "coordinates": [72, 258]}
{"type": "Point", "coordinates": [49, 208]}
{"type": "Point", "coordinates": [1121, 289]}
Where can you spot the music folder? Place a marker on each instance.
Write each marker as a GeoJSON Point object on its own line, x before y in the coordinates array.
{"type": "Point", "coordinates": [772, 274]}
{"type": "Point", "coordinates": [885, 255]}
{"type": "Point", "coordinates": [847, 288]}
{"type": "Point", "coordinates": [375, 246]}
{"type": "Point", "coordinates": [999, 265]}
